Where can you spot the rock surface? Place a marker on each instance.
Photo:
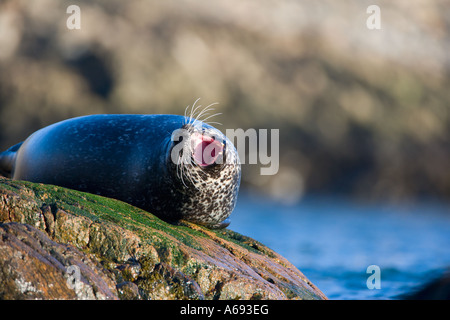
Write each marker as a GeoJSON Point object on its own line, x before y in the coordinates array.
{"type": "Point", "coordinates": [57, 243]}
{"type": "Point", "coordinates": [437, 289]}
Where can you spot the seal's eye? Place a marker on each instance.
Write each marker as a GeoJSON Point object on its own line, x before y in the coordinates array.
{"type": "Point", "coordinates": [207, 150]}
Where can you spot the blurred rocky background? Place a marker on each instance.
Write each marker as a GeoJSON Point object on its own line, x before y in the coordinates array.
{"type": "Point", "coordinates": [361, 112]}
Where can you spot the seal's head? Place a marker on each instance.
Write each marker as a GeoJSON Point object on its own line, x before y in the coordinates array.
{"type": "Point", "coordinates": [207, 172]}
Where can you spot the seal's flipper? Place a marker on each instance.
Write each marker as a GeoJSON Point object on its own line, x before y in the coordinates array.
{"type": "Point", "coordinates": [7, 159]}
{"type": "Point", "coordinates": [221, 225]}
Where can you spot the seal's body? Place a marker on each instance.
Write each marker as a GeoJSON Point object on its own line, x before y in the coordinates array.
{"type": "Point", "coordinates": [137, 159]}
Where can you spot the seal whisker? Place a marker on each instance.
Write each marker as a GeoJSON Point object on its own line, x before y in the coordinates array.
{"type": "Point", "coordinates": [181, 175]}
{"type": "Point", "coordinates": [182, 170]}
{"type": "Point", "coordinates": [210, 116]}
{"type": "Point", "coordinates": [194, 110]}
{"type": "Point", "coordinates": [206, 110]}
{"type": "Point", "coordinates": [187, 119]}
{"type": "Point", "coordinates": [214, 122]}
{"type": "Point", "coordinates": [204, 113]}
{"type": "Point", "coordinates": [187, 173]}
{"type": "Point", "coordinates": [212, 104]}
{"type": "Point", "coordinates": [185, 115]}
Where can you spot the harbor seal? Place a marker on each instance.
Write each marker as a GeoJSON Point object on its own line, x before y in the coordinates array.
{"type": "Point", "coordinates": [176, 167]}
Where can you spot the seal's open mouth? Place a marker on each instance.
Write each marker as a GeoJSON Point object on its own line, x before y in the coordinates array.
{"type": "Point", "coordinates": [207, 150]}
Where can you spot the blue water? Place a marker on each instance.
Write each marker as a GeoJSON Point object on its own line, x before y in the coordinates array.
{"type": "Point", "coordinates": [333, 241]}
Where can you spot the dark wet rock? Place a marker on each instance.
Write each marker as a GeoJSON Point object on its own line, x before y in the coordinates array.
{"type": "Point", "coordinates": [437, 289]}
{"type": "Point", "coordinates": [128, 291]}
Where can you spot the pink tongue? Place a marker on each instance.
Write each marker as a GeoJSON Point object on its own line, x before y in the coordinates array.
{"type": "Point", "coordinates": [207, 151]}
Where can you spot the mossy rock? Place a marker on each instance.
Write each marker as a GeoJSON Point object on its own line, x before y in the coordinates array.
{"type": "Point", "coordinates": [125, 252]}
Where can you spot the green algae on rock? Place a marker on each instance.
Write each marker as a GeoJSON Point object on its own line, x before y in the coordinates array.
{"type": "Point", "coordinates": [127, 253]}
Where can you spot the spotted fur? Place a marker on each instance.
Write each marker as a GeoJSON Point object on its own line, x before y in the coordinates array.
{"type": "Point", "coordinates": [209, 193]}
